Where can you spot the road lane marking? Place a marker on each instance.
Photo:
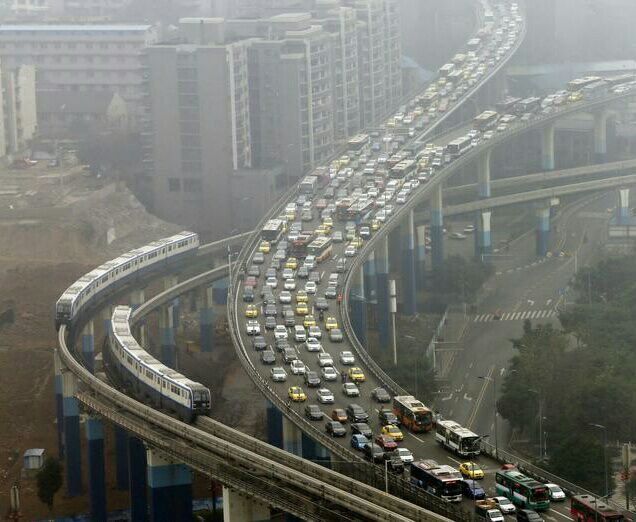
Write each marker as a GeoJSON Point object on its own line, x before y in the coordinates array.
{"type": "Point", "coordinates": [567, 517]}
{"type": "Point", "coordinates": [480, 398]}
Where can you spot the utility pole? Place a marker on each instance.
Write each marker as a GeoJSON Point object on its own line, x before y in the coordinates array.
{"type": "Point", "coordinates": [393, 312]}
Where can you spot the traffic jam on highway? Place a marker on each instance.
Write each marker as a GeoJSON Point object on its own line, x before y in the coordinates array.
{"type": "Point", "coordinates": [291, 287]}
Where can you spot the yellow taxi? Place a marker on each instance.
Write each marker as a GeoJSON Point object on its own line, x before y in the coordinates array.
{"type": "Point", "coordinates": [292, 263]}
{"type": "Point", "coordinates": [357, 242]}
{"type": "Point", "coordinates": [331, 323]}
{"type": "Point", "coordinates": [327, 222]}
{"type": "Point", "coordinates": [471, 470]}
{"type": "Point", "coordinates": [301, 296]}
{"type": "Point", "coordinates": [309, 321]}
{"type": "Point", "coordinates": [321, 231]}
{"type": "Point", "coordinates": [375, 224]}
{"type": "Point", "coordinates": [302, 309]}
{"type": "Point", "coordinates": [264, 247]}
{"type": "Point", "coordinates": [296, 394]}
{"type": "Point", "coordinates": [393, 431]}
{"type": "Point", "coordinates": [251, 311]}
{"type": "Point", "coordinates": [356, 375]}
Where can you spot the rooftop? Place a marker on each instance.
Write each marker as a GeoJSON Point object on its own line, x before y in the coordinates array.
{"type": "Point", "coordinates": [74, 27]}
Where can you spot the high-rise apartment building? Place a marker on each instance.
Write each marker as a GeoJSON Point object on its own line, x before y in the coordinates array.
{"type": "Point", "coordinates": [19, 116]}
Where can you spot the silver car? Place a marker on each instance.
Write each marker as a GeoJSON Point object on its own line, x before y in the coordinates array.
{"type": "Point", "coordinates": [278, 374]}
{"type": "Point", "coordinates": [325, 396]}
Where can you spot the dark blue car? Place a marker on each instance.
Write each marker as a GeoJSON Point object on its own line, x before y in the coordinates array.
{"type": "Point", "coordinates": [472, 489]}
{"type": "Point", "coordinates": [359, 442]}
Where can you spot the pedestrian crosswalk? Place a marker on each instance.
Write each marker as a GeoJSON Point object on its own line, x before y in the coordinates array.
{"type": "Point", "coordinates": [515, 316]}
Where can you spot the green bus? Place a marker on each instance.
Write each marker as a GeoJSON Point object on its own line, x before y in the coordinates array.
{"type": "Point", "coordinates": [522, 491]}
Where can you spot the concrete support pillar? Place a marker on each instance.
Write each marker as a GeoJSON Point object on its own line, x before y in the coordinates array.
{"type": "Point", "coordinates": [358, 304]}
{"type": "Point", "coordinates": [137, 479]}
{"type": "Point", "coordinates": [88, 346]}
{"type": "Point", "coordinates": [220, 290]}
{"type": "Point", "coordinates": [409, 281]}
{"type": "Point", "coordinates": [437, 228]}
{"type": "Point", "coordinates": [292, 438]}
{"type": "Point", "coordinates": [170, 486]}
{"type": "Point", "coordinates": [72, 445]}
{"type": "Point", "coordinates": [206, 319]}
{"type": "Point", "coordinates": [274, 426]}
{"type": "Point", "coordinates": [483, 241]}
{"type": "Point", "coordinates": [121, 457]}
{"type": "Point", "coordinates": [622, 210]}
{"type": "Point", "coordinates": [96, 468]}
{"type": "Point", "coordinates": [166, 332]}
{"type": "Point", "coordinates": [547, 147]}
{"type": "Point", "coordinates": [240, 508]}
{"type": "Point", "coordinates": [543, 230]}
{"type": "Point", "coordinates": [600, 136]}
{"type": "Point", "coordinates": [370, 278]}
{"type": "Point", "coordinates": [420, 259]}
{"type": "Point", "coordinates": [483, 175]}
{"type": "Point", "coordinates": [137, 298]}
{"type": "Point", "coordinates": [168, 282]}
{"type": "Point", "coordinates": [382, 267]}
{"type": "Point", "coordinates": [59, 403]}
{"type": "Point", "coordinates": [107, 314]}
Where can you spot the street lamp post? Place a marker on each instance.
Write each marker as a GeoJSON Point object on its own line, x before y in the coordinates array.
{"type": "Point", "coordinates": [601, 427]}
{"type": "Point", "coordinates": [494, 408]}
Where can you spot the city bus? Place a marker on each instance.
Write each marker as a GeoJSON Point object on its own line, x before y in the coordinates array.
{"type": "Point", "coordinates": [586, 508]}
{"type": "Point", "coordinates": [507, 104]}
{"type": "Point", "coordinates": [595, 90]}
{"type": "Point", "coordinates": [440, 480]}
{"type": "Point", "coordinates": [273, 230]}
{"type": "Point", "coordinates": [578, 83]}
{"type": "Point", "coordinates": [358, 142]}
{"type": "Point", "coordinates": [300, 244]}
{"type": "Point", "coordinates": [403, 169]}
{"type": "Point", "coordinates": [522, 490]}
{"type": "Point", "coordinates": [474, 44]}
{"type": "Point", "coordinates": [527, 105]}
{"type": "Point", "coordinates": [359, 209]}
{"type": "Point", "coordinates": [308, 185]}
{"type": "Point", "coordinates": [486, 120]}
{"type": "Point", "coordinates": [620, 79]}
{"type": "Point", "coordinates": [457, 147]}
{"type": "Point", "coordinates": [321, 247]}
{"type": "Point", "coordinates": [456, 438]}
{"type": "Point", "coordinates": [342, 206]}
{"type": "Point", "coordinates": [446, 69]}
{"type": "Point", "coordinates": [412, 414]}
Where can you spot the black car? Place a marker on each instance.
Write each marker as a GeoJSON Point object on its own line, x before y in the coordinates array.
{"type": "Point", "coordinates": [290, 318]}
{"type": "Point", "coordinates": [269, 299]}
{"type": "Point", "coordinates": [268, 356]}
{"type": "Point", "coordinates": [254, 270]}
{"type": "Point", "coordinates": [259, 343]}
{"type": "Point", "coordinates": [361, 428]}
{"type": "Point", "coordinates": [289, 355]}
{"type": "Point", "coordinates": [270, 322]}
{"type": "Point", "coordinates": [314, 276]}
{"type": "Point", "coordinates": [312, 379]}
{"type": "Point", "coordinates": [303, 272]}
{"type": "Point", "coordinates": [387, 417]}
{"type": "Point", "coordinates": [313, 412]}
{"type": "Point", "coordinates": [270, 310]}
{"type": "Point", "coordinates": [374, 452]}
{"type": "Point", "coordinates": [356, 413]}
{"type": "Point", "coordinates": [394, 463]}
{"type": "Point", "coordinates": [248, 294]}
{"type": "Point", "coordinates": [331, 292]}
{"type": "Point", "coordinates": [321, 304]}
{"type": "Point", "coordinates": [335, 429]}
{"type": "Point", "coordinates": [528, 515]}
{"type": "Point", "coordinates": [381, 395]}
{"type": "Point", "coordinates": [281, 344]}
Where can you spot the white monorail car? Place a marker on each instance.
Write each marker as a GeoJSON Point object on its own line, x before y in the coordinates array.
{"type": "Point", "coordinates": [149, 378]}
{"type": "Point", "coordinates": [115, 272]}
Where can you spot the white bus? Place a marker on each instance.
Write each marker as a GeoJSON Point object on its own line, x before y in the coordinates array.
{"type": "Point", "coordinates": [273, 230]}
{"type": "Point", "coordinates": [456, 438]}
{"type": "Point", "coordinates": [446, 69]}
{"type": "Point", "coordinates": [457, 147]}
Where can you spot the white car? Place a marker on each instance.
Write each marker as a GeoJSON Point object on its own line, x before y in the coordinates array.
{"type": "Point", "coordinates": [469, 228]}
{"type": "Point", "coordinates": [329, 373]}
{"type": "Point", "coordinates": [290, 284]}
{"type": "Point", "coordinates": [315, 331]}
{"type": "Point", "coordinates": [278, 374]}
{"type": "Point", "coordinates": [272, 282]}
{"type": "Point", "coordinates": [347, 358]}
{"type": "Point", "coordinates": [285, 297]}
{"type": "Point", "coordinates": [310, 287]}
{"type": "Point", "coordinates": [280, 332]}
{"type": "Point", "coordinates": [310, 262]}
{"type": "Point", "coordinates": [405, 454]}
{"type": "Point", "coordinates": [324, 359]}
{"type": "Point", "coordinates": [556, 493]}
{"type": "Point", "coordinates": [350, 251]}
{"type": "Point", "coordinates": [505, 505]}
{"type": "Point", "coordinates": [457, 235]}
{"type": "Point", "coordinates": [253, 327]}
{"type": "Point", "coordinates": [350, 389]}
{"type": "Point", "coordinates": [325, 396]}
{"type": "Point", "coordinates": [298, 367]}
{"type": "Point", "coordinates": [313, 345]}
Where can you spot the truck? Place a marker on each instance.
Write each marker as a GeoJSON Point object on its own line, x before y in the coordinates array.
{"type": "Point", "coordinates": [487, 510]}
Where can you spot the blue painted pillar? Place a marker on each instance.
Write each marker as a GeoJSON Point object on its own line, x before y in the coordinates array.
{"type": "Point", "coordinates": [137, 480]}
{"type": "Point", "coordinates": [547, 147]}
{"type": "Point", "coordinates": [59, 403]}
{"type": "Point", "coordinates": [483, 175]}
{"type": "Point", "coordinates": [274, 426]}
{"type": "Point", "coordinates": [543, 231]}
{"type": "Point", "coordinates": [96, 469]}
{"type": "Point", "coordinates": [623, 215]}
{"type": "Point", "coordinates": [170, 487]}
{"type": "Point", "coordinates": [206, 319]}
{"type": "Point", "coordinates": [482, 235]}
{"type": "Point", "coordinates": [292, 438]}
{"type": "Point", "coordinates": [220, 290]}
{"type": "Point", "coordinates": [409, 281]}
{"type": "Point", "coordinates": [382, 267]}
{"type": "Point", "coordinates": [358, 301]}
{"type": "Point", "coordinates": [166, 332]}
{"type": "Point", "coordinates": [88, 346]}
{"type": "Point", "coordinates": [121, 457]}
{"type": "Point", "coordinates": [437, 228]}
{"type": "Point", "coordinates": [600, 136]}
{"type": "Point", "coordinates": [72, 445]}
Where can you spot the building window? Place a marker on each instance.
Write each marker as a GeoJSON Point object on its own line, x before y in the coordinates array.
{"type": "Point", "coordinates": [192, 185]}
{"type": "Point", "coordinates": [174, 184]}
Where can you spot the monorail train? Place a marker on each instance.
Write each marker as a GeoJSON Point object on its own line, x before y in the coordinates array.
{"type": "Point", "coordinates": [150, 379]}
{"type": "Point", "coordinates": [113, 273]}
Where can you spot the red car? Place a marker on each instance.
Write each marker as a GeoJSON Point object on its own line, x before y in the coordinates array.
{"type": "Point", "coordinates": [387, 443]}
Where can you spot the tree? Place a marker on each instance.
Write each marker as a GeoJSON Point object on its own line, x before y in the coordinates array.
{"type": "Point", "coordinates": [579, 458]}
{"type": "Point", "coordinates": [460, 279]}
{"type": "Point", "coordinates": [49, 481]}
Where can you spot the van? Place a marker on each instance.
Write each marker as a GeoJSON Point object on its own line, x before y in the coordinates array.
{"type": "Point", "coordinates": [300, 336]}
